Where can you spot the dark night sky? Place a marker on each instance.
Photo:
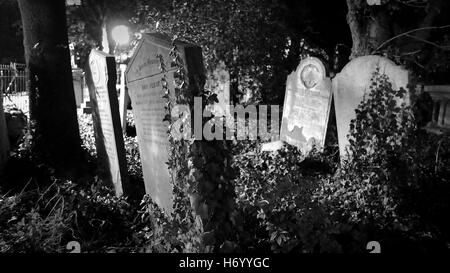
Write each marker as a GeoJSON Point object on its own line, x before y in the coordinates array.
{"type": "Point", "coordinates": [327, 17]}
{"type": "Point", "coordinates": [11, 48]}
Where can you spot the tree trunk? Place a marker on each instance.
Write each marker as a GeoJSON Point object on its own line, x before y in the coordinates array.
{"type": "Point", "coordinates": [369, 26]}
{"type": "Point", "coordinates": [56, 138]}
{"type": "Point", "coordinates": [372, 26]}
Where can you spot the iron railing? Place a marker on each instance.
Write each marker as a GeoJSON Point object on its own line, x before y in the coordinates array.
{"type": "Point", "coordinates": [13, 84]}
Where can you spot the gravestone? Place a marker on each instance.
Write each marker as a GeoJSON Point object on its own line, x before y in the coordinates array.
{"type": "Point", "coordinates": [307, 104]}
{"type": "Point", "coordinates": [350, 86]}
{"type": "Point", "coordinates": [144, 77]}
{"type": "Point", "coordinates": [123, 98]}
{"type": "Point", "coordinates": [77, 75]}
{"type": "Point", "coordinates": [101, 80]}
{"type": "Point", "coordinates": [86, 105]}
{"type": "Point", "coordinates": [4, 143]}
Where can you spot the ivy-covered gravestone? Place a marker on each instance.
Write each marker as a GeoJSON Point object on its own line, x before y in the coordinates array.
{"type": "Point", "coordinates": [352, 84]}
{"type": "Point", "coordinates": [4, 143]}
{"type": "Point", "coordinates": [146, 82]}
{"type": "Point", "coordinates": [101, 80]}
{"type": "Point", "coordinates": [306, 106]}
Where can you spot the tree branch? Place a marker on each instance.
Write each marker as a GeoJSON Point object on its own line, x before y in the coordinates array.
{"type": "Point", "coordinates": [429, 42]}
{"type": "Point", "coordinates": [407, 34]}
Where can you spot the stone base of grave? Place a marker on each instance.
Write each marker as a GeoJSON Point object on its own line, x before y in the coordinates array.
{"type": "Point", "coordinates": [435, 129]}
{"type": "Point", "coordinates": [272, 146]}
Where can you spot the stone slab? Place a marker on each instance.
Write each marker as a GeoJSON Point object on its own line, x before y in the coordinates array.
{"type": "Point", "coordinates": [352, 84]}
{"type": "Point", "coordinates": [101, 80]}
{"type": "Point", "coordinates": [306, 106]}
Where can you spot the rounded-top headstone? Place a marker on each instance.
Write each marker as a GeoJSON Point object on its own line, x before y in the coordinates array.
{"type": "Point", "coordinates": [350, 86]}
{"type": "Point", "coordinates": [306, 106]}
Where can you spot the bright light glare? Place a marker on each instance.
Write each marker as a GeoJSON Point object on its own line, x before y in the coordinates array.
{"type": "Point", "coordinates": [121, 35]}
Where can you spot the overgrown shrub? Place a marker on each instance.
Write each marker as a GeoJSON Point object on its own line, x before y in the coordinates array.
{"type": "Point", "coordinates": [131, 144]}
{"type": "Point", "coordinates": [397, 177]}
{"type": "Point", "coordinates": [157, 232]}
{"type": "Point", "coordinates": [45, 220]}
{"type": "Point", "coordinates": [393, 187]}
{"type": "Point", "coordinates": [277, 206]}
{"type": "Point", "coordinates": [86, 126]}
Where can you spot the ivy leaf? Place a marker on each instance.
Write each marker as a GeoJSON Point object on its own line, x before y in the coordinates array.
{"type": "Point", "coordinates": [167, 118]}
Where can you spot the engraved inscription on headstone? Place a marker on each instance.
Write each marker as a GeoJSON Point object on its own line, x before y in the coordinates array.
{"type": "Point", "coordinates": [306, 106]}
{"type": "Point", "coordinates": [350, 86]}
{"type": "Point", "coordinates": [108, 130]}
{"type": "Point", "coordinates": [144, 77]}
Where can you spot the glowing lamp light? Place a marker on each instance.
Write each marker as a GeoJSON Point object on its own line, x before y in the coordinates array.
{"type": "Point", "coordinates": [121, 35]}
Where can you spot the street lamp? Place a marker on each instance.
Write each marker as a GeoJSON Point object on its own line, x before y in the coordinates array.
{"type": "Point", "coordinates": [120, 35]}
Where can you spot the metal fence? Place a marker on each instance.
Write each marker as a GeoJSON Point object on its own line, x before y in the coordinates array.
{"type": "Point", "coordinates": [13, 83]}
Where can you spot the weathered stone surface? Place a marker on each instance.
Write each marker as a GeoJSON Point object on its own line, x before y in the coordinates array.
{"type": "Point", "coordinates": [350, 86]}
{"type": "Point", "coordinates": [306, 106]}
{"type": "Point", "coordinates": [78, 85]}
{"type": "Point", "coordinates": [272, 146]}
{"type": "Point", "coordinates": [144, 77]}
{"type": "Point", "coordinates": [101, 79]}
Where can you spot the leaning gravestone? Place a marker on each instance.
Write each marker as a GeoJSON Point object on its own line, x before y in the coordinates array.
{"type": "Point", "coordinates": [4, 143]}
{"type": "Point", "coordinates": [306, 106]}
{"type": "Point", "coordinates": [101, 80]}
{"type": "Point", "coordinates": [145, 88]}
{"type": "Point", "coordinates": [350, 86]}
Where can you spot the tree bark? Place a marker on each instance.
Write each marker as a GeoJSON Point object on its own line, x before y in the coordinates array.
{"type": "Point", "coordinates": [56, 138]}
{"type": "Point", "coordinates": [369, 26]}
{"type": "Point", "coordinates": [372, 26]}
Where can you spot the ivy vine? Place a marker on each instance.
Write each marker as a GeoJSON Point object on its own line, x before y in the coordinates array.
{"type": "Point", "coordinates": [201, 172]}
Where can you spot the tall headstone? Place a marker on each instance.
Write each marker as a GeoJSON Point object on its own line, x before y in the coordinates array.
{"type": "Point", "coordinates": [4, 143]}
{"type": "Point", "coordinates": [350, 86]}
{"type": "Point", "coordinates": [307, 105]}
{"type": "Point", "coordinates": [101, 80]}
{"type": "Point", "coordinates": [145, 88]}
{"type": "Point", "coordinates": [77, 75]}
{"type": "Point", "coordinates": [123, 98]}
